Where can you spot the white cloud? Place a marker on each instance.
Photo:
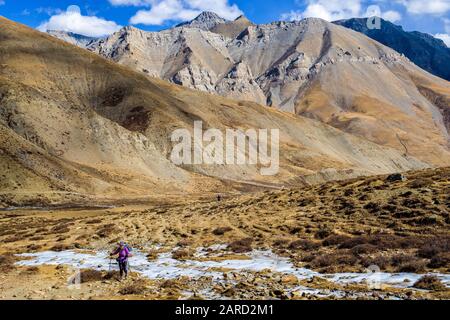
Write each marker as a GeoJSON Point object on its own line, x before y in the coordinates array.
{"type": "Point", "coordinates": [48, 10]}
{"type": "Point", "coordinates": [332, 10]}
{"type": "Point", "coordinates": [375, 11]}
{"type": "Point", "coordinates": [129, 2]}
{"type": "Point", "coordinates": [444, 37]}
{"type": "Point", "coordinates": [161, 11]}
{"type": "Point", "coordinates": [447, 24]}
{"type": "Point", "coordinates": [73, 21]}
{"type": "Point", "coordinates": [292, 16]}
{"type": "Point", "coordinates": [391, 15]}
{"type": "Point", "coordinates": [2, 2]}
{"type": "Point", "coordinates": [436, 7]}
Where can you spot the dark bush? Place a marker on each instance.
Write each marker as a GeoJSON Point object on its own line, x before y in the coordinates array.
{"type": "Point", "coordinates": [304, 244]}
{"type": "Point", "coordinates": [434, 246]}
{"type": "Point", "coordinates": [221, 231]}
{"type": "Point", "coordinates": [322, 233]}
{"type": "Point", "coordinates": [420, 183]}
{"type": "Point", "coordinates": [372, 207]}
{"type": "Point", "coordinates": [94, 221]}
{"type": "Point", "coordinates": [363, 249]}
{"type": "Point", "coordinates": [429, 282]}
{"type": "Point", "coordinates": [425, 221]}
{"type": "Point", "coordinates": [401, 259]}
{"type": "Point", "coordinates": [440, 260]}
{"type": "Point", "coordinates": [61, 247]}
{"type": "Point", "coordinates": [415, 266]}
{"type": "Point", "coordinates": [335, 239]}
{"type": "Point", "coordinates": [334, 259]}
{"type": "Point", "coordinates": [7, 262]}
{"type": "Point", "coordinates": [241, 246]}
{"type": "Point", "coordinates": [90, 276]}
{"type": "Point", "coordinates": [281, 243]}
{"type": "Point", "coordinates": [381, 261]}
{"type": "Point", "coordinates": [137, 288]}
{"type": "Point", "coordinates": [353, 242]}
{"type": "Point", "coordinates": [180, 254]}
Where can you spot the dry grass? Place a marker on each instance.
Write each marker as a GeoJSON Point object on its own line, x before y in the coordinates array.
{"type": "Point", "coordinates": [138, 287]}
{"type": "Point", "coordinates": [241, 246]}
{"type": "Point", "coordinates": [7, 261]}
{"type": "Point", "coordinates": [91, 276]}
{"type": "Point", "coordinates": [221, 231]}
{"type": "Point", "coordinates": [430, 283]}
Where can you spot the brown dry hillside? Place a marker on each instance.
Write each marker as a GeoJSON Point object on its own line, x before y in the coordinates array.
{"type": "Point", "coordinates": [75, 124]}
{"type": "Point", "coordinates": [310, 67]}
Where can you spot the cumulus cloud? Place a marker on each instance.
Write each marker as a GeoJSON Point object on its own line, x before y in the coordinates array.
{"type": "Point", "coordinates": [292, 16]}
{"type": "Point", "coordinates": [73, 21]}
{"type": "Point", "coordinates": [444, 37]}
{"type": "Point", "coordinates": [332, 10]}
{"type": "Point", "coordinates": [375, 11]}
{"type": "Point", "coordinates": [129, 2]}
{"type": "Point", "coordinates": [161, 11]}
{"type": "Point", "coordinates": [436, 7]}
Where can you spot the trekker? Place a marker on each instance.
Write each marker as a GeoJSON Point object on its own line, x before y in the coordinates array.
{"type": "Point", "coordinates": [123, 255]}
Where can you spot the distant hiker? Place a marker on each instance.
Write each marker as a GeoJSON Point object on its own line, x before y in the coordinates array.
{"type": "Point", "coordinates": [219, 198]}
{"type": "Point", "coordinates": [123, 253]}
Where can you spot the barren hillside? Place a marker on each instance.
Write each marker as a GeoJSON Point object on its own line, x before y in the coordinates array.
{"type": "Point", "coordinates": [311, 67]}
{"type": "Point", "coordinates": [77, 125]}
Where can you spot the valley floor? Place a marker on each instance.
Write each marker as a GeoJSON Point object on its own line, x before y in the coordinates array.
{"type": "Point", "coordinates": [316, 242]}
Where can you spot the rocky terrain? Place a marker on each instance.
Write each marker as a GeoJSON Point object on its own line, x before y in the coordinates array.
{"type": "Point", "coordinates": [73, 38]}
{"type": "Point", "coordinates": [85, 148]}
{"type": "Point", "coordinates": [429, 53]}
{"type": "Point", "coordinates": [398, 223]}
{"type": "Point", "coordinates": [311, 68]}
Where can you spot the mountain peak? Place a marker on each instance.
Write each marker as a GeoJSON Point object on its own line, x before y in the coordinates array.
{"type": "Point", "coordinates": [208, 15]}
{"type": "Point", "coordinates": [426, 51]}
{"type": "Point", "coordinates": [205, 20]}
{"type": "Point", "coordinates": [70, 37]}
{"type": "Point", "coordinates": [241, 18]}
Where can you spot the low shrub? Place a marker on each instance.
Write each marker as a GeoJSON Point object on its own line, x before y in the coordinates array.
{"type": "Point", "coordinates": [90, 276]}
{"type": "Point", "coordinates": [440, 260]}
{"type": "Point", "coordinates": [434, 246]}
{"type": "Point", "coordinates": [241, 246]}
{"type": "Point", "coordinates": [335, 239]}
{"type": "Point", "coordinates": [429, 282]}
{"type": "Point", "coordinates": [363, 249]}
{"type": "Point", "coordinates": [304, 244]}
{"type": "Point", "coordinates": [180, 254]}
{"type": "Point", "coordinates": [334, 259]}
{"type": "Point", "coordinates": [137, 288]}
{"type": "Point", "coordinates": [281, 243]}
{"type": "Point", "coordinates": [221, 231]}
{"type": "Point", "coordinates": [7, 262]}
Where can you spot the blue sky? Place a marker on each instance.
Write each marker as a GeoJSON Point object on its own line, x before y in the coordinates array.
{"type": "Point", "coordinates": [101, 17]}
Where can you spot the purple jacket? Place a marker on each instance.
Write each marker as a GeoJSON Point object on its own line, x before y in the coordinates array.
{"type": "Point", "coordinates": [123, 253]}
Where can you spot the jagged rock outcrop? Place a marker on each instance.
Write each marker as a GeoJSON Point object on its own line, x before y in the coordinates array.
{"type": "Point", "coordinates": [429, 53]}
{"type": "Point", "coordinates": [206, 21]}
{"type": "Point", "coordinates": [73, 38]}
